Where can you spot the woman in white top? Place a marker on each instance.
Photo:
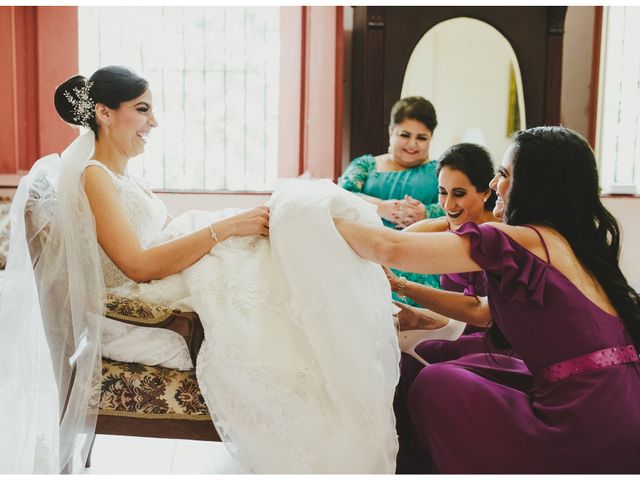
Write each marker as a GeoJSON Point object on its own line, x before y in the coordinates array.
{"type": "Point", "coordinates": [129, 217]}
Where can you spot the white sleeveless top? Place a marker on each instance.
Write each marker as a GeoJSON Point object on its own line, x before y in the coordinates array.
{"type": "Point", "coordinates": [130, 343]}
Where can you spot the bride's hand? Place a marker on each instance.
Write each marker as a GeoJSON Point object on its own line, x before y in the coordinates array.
{"type": "Point", "coordinates": [411, 318]}
{"type": "Point", "coordinates": [254, 221]}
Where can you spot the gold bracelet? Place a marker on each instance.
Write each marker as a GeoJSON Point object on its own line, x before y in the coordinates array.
{"type": "Point", "coordinates": [401, 290]}
{"type": "Point", "coordinates": [214, 235]}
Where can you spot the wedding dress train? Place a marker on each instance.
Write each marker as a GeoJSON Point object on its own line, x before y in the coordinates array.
{"type": "Point", "coordinates": [300, 359]}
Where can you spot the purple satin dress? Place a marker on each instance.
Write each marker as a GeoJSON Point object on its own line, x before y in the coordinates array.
{"type": "Point", "coordinates": [472, 341]}
{"type": "Point", "coordinates": [466, 418]}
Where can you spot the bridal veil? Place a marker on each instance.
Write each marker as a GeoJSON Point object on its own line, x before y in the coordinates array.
{"type": "Point", "coordinates": [50, 314]}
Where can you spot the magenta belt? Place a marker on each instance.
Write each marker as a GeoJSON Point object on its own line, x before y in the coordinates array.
{"type": "Point", "coordinates": [585, 363]}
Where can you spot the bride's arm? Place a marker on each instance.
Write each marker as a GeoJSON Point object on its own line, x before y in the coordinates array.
{"type": "Point", "coordinates": [413, 252]}
{"type": "Point", "coordinates": [119, 240]}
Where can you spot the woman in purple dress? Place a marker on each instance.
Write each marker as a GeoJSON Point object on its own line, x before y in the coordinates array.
{"type": "Point", "coordinates": [464, 172]}
{"type": "Point", "coordinates": [558, 296]}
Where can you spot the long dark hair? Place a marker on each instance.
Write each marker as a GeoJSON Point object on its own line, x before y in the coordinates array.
{"type": "Point", "coordinates": [109, 85]}
{"type": "Point", "coordinates": [555, 182]}
{"type": "Point", "coordinates": [475, 162]}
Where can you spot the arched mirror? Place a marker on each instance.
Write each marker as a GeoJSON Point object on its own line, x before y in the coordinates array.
{"type": "Point", "coordinates": [470, 73]}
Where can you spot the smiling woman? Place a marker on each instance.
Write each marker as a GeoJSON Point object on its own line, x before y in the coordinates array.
{"type": "Point", "coordinates": [560, 300]}
{"type": "Point", "coordinates": [107, 232]}
{"type": "Point", "coordinates": [401, 183]}
{"type": "Point", "coordinates": [464, 173]}
{"type": "Point", "coordinates": [128, 126]}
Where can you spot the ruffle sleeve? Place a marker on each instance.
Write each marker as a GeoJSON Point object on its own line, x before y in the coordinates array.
{"type": "Point", "coordinates": [520, 274]}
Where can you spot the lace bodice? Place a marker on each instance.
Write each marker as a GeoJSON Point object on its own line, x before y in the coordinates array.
{"type": "Point", "coordinates": [146, 212]}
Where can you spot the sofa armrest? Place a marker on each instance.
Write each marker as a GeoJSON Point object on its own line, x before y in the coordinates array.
{"type": "Point", "coordinates": [136, 312]}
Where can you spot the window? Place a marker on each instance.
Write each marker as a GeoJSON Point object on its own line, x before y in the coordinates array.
{"type": "Point", "coordinates": [619, 130]}
{"type": "Point", "coordinates": [214, 73]}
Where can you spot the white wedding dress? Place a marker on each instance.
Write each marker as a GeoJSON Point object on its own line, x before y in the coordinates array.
{"type": "Point", "coordinates": [300, 359]}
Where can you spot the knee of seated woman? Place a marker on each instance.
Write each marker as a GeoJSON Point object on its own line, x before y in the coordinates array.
{"type": "Point", "coordinates": [438, 380]}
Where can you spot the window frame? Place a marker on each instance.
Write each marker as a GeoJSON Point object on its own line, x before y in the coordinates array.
{"type": "Point", "coordinates": [311, 68]}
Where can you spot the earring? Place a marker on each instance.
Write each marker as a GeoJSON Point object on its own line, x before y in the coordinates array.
{"type": "Point", "coordinates": [107, 130]}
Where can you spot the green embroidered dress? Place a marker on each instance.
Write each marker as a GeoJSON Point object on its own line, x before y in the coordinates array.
{"type": "Point", "coordinates": [421, 183]}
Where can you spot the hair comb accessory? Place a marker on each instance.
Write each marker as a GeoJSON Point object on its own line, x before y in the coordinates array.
{"type": "Point", "coordinates": [83, 106]}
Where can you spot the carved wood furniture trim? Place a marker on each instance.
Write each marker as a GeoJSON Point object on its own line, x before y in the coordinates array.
{"type": "Point", "coordinates": [384, 38]}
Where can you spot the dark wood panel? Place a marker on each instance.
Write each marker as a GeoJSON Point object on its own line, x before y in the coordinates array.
{"type": "Point", "coordinates": [367, 111]}
{"type": "Point", "coordinates": [384, 38]}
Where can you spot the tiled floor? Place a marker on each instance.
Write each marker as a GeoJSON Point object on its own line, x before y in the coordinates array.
{"type": "Point", "coordinates": [136, 455]}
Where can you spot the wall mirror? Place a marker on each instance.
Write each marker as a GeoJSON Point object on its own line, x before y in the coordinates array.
{"type": "Point", "coordinates": [470, 73]}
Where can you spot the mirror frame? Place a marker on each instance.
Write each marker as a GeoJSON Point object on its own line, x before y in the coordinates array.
{"type": "Point", "coordinates": [385, 37]}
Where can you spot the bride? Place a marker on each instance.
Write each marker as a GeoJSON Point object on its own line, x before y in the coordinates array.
{"type": "Point", "coordinates": [300, 359]}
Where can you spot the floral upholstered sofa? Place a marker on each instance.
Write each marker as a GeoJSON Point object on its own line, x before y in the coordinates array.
{"type": "Point", "coordinates": [153, 401]}
{"type": "Point", "coordinates": [137, 399]}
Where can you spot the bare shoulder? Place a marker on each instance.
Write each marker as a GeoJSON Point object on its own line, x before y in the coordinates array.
{"type": "Point", "coordinates": [95, 178]}
{"type": "Point", "coordinates": [525, 236]}
{"type": "Point", "coordinates": [100, 190]}
{"type": "Point", "coordinates": [553, 246]}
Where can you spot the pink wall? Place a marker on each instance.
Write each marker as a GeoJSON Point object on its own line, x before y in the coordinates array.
{"type": "Point", "coordinates": [320, 140]}
{"type": "Point", "coordinates": [39, 51]}
{"type": "Point", "coordinates": [290, 92]}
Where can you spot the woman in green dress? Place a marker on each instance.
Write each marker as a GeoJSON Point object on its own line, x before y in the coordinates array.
{"type": "Point", "coordinates": [402, 183]}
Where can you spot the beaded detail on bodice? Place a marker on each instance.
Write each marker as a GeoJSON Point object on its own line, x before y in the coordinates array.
{"type": "Point", "coordinates": [146, 212]}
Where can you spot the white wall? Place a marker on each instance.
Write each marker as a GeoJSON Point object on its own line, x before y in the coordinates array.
{"type": "Point", "coordinates": [627, 212]}
{"type": "Point", "coordinates": [178, 203]}
{"type": "Point", "coordinates": [462, 66]}
{"type": "Point", "coordinates": [574, 113]}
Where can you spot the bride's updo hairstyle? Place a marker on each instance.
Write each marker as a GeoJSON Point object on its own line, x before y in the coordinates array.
{"type": "Point", "coordinates": [75, 99]}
